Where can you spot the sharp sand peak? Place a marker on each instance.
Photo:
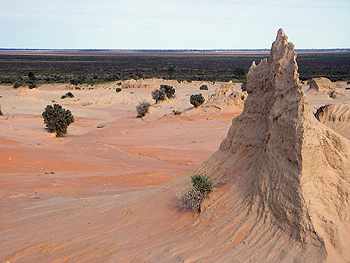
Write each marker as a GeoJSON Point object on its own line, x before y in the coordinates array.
{"type": "Point", "coordinates": [286, 171]}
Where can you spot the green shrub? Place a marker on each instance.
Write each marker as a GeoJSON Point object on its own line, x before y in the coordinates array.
{"type": "Point", "coordinates": [57, 119]}
{"type": "Point", "coordinates": [202, 184]}
{"type": "Point", "coordinates": [192, 200]}
{"type": "Point", "coordinates": [142, 109]}
{"type": "Point", "coordinates": [17, 84]}
{"type": "Point", "coordinates": [201, 187]}
{"type": "Point", "coordinates": [168, 90]}
{"type": "Point", "coordinates": [244, 86]}
{"type": "Point", "coordinates": [67, 95]}
{"type": "Point", "coordinates": [158, 95]}
{"type": "Point", "coordinates": [74, 82]}
{"type": "Point", "coordinates": [333, 94]}
{"type": "Point", "coordinates": [32, 84]}
{"type": "Point", "coordinates": [31, 76]}
{"type": "Point", "coordinates": [203, 87]}
{"type": "Point", "coordinates": [196, 100]}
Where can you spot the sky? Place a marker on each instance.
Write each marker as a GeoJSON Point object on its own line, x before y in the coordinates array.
{"type": "Point", "coordinates": [172, 24]}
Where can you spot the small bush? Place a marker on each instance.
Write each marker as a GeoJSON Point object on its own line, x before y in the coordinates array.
{"type": "Point", "coordinates": [31, 76]}
{"type": "Point", "coordinates": [244, 86]}
{"type": "Point", "coordinates": [192, 200]}
{"type": "Point", "coordinates": [196, 100]}
{"type": "Point", "coordinates": [118, 90]}
{"type": "Point", "coordinates": [32, 84]}
{"type": "Point", "coordinates": [168, 90]}
{"type": "Point", "coordinates": [1, 114]}
{"type": "Point", "coordinates": [67, 95]}
{"type": "Point", "coordinates": [74, 82]}
{"type": "Point", "coordinates": [333, 94]}
{"type": "Point", "coordinates": [158, 95]}
{"type": "Point", "coordinates": [202, 184]}
{"type": "Point", "coordinates": [57, 119]}
{"type": "Point", "coordinates": [142, 109]}
{"type": "Point", "coordinates": [201, 187]}
{"type": "Point", "coordinates": [17, 84]}
{"type": "Point", "coordinates": [204, 87]}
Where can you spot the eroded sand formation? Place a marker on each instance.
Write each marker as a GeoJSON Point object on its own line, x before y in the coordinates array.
{"type": "Point", "coordinates": [336, 117]}
{"type": "Point", "coordinates": [288, 173]}
{"type": "Point", "coordinates": [227, 96]}
{"type": "Point", "coordinates": [321, 85]}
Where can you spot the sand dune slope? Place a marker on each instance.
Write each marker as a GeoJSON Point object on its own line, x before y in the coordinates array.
{"type": "Point", "coordinates": [336, 117]}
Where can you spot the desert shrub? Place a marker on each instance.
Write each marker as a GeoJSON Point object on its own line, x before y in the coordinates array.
{"type": "Point", "coordinates": [31, 76]}
{"type": "Point", "coordinates": [57, 119]}
{"type": "Point", "coordinates": [142, 109]}
{"type": "Point", "coordinates": [244, 86]}
{"type": "Point", "coordinates": [17, 84]}
{"type": "Point", "coordinates": [202, 183]}
{"type": "Point", "coordinates": [196, 100]}
{"type": "Point", "coordinates": [168, 90]}
{"type": "Point", "coordinates": [74, 82]}
{"type": "Point", "coordinates": [192, 200]}
{"type": "Point", "coordinates": [67, 95]}
{"type": "Point", "coordinates": [332, 94]}
{"type": "Point", "coordinates": [1, 114]}
{"type": "Point", "coordinates": [158, 95]}
{"type": "Point", "coordinates": [118, 90]}
{"type": "Point", "coordinates": [32, 84]}
{"type": "Point", "coordinates": [201, 187]}
{"type": "Point", "coordinates": [203, 87]}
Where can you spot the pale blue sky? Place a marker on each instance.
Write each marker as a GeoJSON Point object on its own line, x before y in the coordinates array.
{"type": "Point", "coordinates": [172, 24]}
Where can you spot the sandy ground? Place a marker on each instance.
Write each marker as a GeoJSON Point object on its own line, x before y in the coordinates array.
{"type": "Point", "coordinates": [105, 194]}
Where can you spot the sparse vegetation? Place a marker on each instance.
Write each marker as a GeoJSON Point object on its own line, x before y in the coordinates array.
{"type": "Point", "coordinates": [168, 90]}
{"type": "Point", "coordinates": [158, 95]}
{"type": "Point", "coordinates": [118, 90]}
{"type": "Point", "coordinates": [82, 68]}
{"type": "Point", "coordinates": [202, 184]}
{"type": "Point", "coordinates": [196, 100]}
{"type": "Point", "coordinates": [57, 119]}
{"type": "Point", "coordinates": [142, 109]}
{"type": "Point", "coordinates": [67, 95]}
{"type": "Point", "coordinates": [32, 84]}
{"type": "Point", "coordinates": [201, 187]}
{"type": "Point", "coordinates": [165, 91]}
{"type": "Point", "coordinates": [203, 87]}
{"type": "Point", "coordinates": [17, 84]}
{"type": "Point", "coordinates": [74, 82]}
{"type": "Point", "coordinates": [333, 94]}
{"type": "Point", "coordinates": [31, 80]}
{"type": "Point", "coordinates": [244, 86]}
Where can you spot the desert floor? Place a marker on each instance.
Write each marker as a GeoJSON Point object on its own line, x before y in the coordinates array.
{"type": "Point", "coordinates": [108, 191]}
